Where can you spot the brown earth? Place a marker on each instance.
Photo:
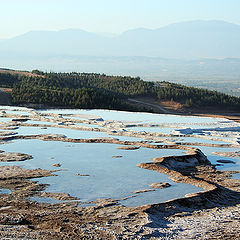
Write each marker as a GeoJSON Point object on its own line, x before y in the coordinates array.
{"type": "Point", "coordinates": [210, 214]}
{"type": "Point", "coordinates": [172, 107]}
{"type": "Point", "coordinates": [17, 72]}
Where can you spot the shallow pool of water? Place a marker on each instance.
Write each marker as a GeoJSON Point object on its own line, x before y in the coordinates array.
{"type": "Point", "coordinates": [70, 133]}
{"type": "Point", "coordinates": [137, 116]}
{"type": "Point", "coordinates": [208, 151]}
{"type": "Point", "coordinates": [201, 140]}
{"type": "Point", "coordinates": [41, 122]}
{"type": "Point", "coordinates": [5, 191]}
{"type": "Point", "coordinates": [109, 177]}
{"type": "Point", "coordinates": [18, 113]}
{"type": "Point", "coordinates": [87, 125]}
{"type": "Point", "coordinates": [152, 129]}
{"type": "Point", "coordinates": [5, 120]}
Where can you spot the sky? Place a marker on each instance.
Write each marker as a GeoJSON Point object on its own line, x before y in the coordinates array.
{"type": "Point", "coordinates": [114, 16]}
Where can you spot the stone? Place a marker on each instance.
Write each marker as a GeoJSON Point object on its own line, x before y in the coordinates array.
{"type": "Point", "coordinates": [56, 165]}
{"type": "Point", "coordinates": [143, 191]}
{"type": "Point", "coordinates": [14, 157]}
{"type": "Point", "coordinates": [160, 185]}
{"type": "Point", "coordinates": [226, 161]}
{"type": "Point", "coordinates": [128, 147]}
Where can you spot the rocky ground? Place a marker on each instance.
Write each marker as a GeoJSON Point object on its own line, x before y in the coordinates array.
{"type": "Point", "coordinates": [210, 214]}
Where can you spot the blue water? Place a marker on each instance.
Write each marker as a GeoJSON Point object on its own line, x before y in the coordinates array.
{"type": "Point", "coordinates": [18, 112]}
{"type": "Point", "coordinates": [133, 116]}
{"type": "Point", "coordinates": [4, 191]}
{"type": "Point", "coordinates": [200, 140]}
{"type": "Point", "coordinates": [109, 177]}
{"type": "Point", "coordinates": [87, 125]}
{"type": "Point", "coordinates": [40, 122]}
{"type": "Point", "coordinates": [213, 158]}
{"type": "Point", "coordinates": [5, 119]}
{"type": "Point", "coordinates": [152, 129]}
{"type": "Point", "coordinates": [70, 133]}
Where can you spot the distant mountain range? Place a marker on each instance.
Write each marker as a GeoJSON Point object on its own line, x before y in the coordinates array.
{"type": "Point", "coordinates": [195, 39]}
{"type": "Point", "coordinates": [197, 53]}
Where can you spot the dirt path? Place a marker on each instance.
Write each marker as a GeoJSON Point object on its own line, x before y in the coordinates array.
{"type": "Point", "coordinates": [155, 106]}
{"type": "Point", "coordinates": [164, 108]}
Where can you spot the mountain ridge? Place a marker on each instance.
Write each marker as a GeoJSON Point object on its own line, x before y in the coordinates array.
{"type": "Point", "coordinates": [192, 39]}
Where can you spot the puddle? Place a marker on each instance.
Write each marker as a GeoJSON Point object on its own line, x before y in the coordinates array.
{"type": "Point", "coordinates": [111, 177]}
{"type": "Point", "coordinates": [5, 191]}
{"type": "Point", "coordinates": [108, 177]}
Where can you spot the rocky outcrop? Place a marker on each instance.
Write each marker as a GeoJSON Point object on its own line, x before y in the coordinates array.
{"type": "Point", "coordinates": [5, 133]}
{"type": "Point", "coordinates": [14, 157]}
{"type": "Point", "coordinates": [58, 196]}
{"type": "Point", "coordinates": [228, 154]}
{"type": "Point", "coordinates": [56, 165]}
{"type": "Point", "coordinates": [160, 185]}
{"type": "Point", "coordinates": [143, 191]}
{"type": "Point", "coordinates": [13, 172]}
{"type": "Point", "coordinates": [193, 168]}
{"type": "Point", "coordinates": [128, 147]}
{"type": "Point", "coordinates": [82, 175]}
{"type": "Point", "coordinates": [226, 161]}
{"type": "Point", "coordinates": [193, 158]}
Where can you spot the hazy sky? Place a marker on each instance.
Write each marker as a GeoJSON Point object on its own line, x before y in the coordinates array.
{"type": "Point", "coordinates": [20, 16]}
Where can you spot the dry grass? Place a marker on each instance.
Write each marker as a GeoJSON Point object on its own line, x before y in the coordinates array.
{"type": "Point", "coordinates": [16, 72]}
{"type": "Point", "coordinates": [6, 90]}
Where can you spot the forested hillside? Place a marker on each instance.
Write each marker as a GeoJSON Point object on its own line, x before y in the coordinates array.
{"type": "Point", "coordinates": [91, 90]}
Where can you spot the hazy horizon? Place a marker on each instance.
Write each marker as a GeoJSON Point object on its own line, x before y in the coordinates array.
{"type": "Point", "coordinates": [109, 16]}
{"type": "Point", "coordinates": [136, 37]}
{"type": "Point", "coordinates": [112, 34]}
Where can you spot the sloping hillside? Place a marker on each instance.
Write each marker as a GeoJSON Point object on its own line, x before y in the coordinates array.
{"type": "Point", "coordinates": [91, 90]}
